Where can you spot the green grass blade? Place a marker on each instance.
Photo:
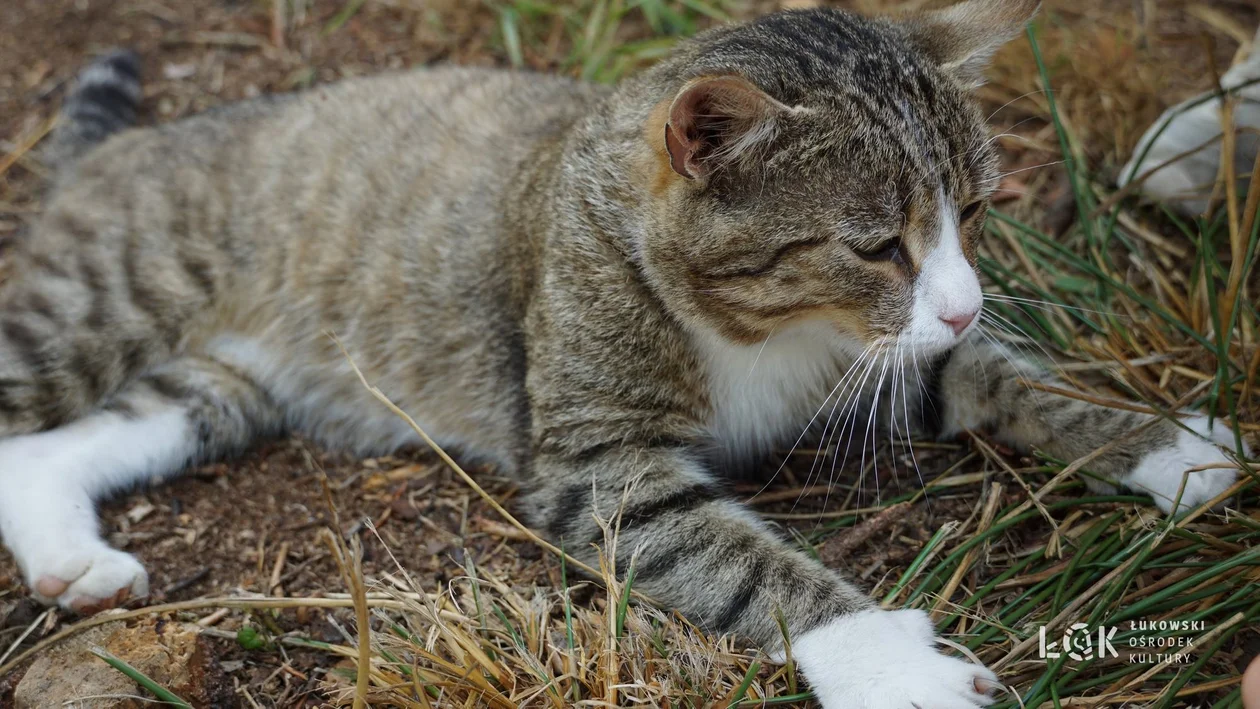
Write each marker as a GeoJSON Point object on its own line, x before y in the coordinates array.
{"type": "Point", "coordinates": [157, 690]}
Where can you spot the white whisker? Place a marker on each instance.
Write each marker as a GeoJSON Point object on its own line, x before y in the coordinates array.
{"type": "Point", "coordinates": [1017, 98]}
{"type": "Point", "coordinates": [1009, 327]}
{"type": "Point", "coordinates": [905, 410]}
{"type": "Point", "coordinates": [1015, 368]}
{"type": "Point", "coordinates": [1047, 305]}
{"type": "Point", "coordinates": [852, 368]}
{"type": "Point", "coordinates": [758, 357]}
{"type": "Point", "coordinates": [870, 428]}
{"type": "Point", "coordinates": [849, 414]}
{"type": "Point", "coordinates": [1001, 175]}
{"type": "Point", "coordinates": [854, 397]}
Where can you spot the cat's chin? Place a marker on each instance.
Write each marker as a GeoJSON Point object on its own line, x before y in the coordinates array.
{"type": "Point", "coordinates": [906, 349]}
{"type": "Point", "coordinates": [925, 341]}
{"type": "Point", "coordinates": [932, 351]}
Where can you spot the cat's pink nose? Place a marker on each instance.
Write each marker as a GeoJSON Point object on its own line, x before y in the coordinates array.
{"type": "Point", "coordinates": [958, 323]}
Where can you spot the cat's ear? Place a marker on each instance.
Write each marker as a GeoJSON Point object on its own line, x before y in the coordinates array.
{"type": "Point", "coordinates": [964, 37]}
{"type": "Point", "coordinates": [718, 120]}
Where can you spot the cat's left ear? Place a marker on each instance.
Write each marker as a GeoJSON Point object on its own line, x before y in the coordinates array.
{"type": "Point", "coordinates": [964, 37]}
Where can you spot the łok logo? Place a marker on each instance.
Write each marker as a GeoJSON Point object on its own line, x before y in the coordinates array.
{"type": "Point", "coordinates": [1078, 642]}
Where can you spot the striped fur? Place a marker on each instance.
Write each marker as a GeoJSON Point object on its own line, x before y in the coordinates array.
{"type": "Point", "coordinates": [102, 102]}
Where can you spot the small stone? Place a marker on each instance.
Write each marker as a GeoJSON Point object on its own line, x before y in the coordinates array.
{"type": "Point", "coordinates": [140, 511]}
{"type": "Point", "coordinates": [70, 672]}
{"type": "Point", "coordinates": [179, 72]}
{"type": "Point", "coordinates": [175, 657]}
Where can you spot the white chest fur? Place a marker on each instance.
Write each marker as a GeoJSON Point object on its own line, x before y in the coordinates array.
{"type": "Point", "coordinates": [764, 395]}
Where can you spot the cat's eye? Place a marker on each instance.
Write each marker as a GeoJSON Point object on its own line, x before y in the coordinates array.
{"type": "Point", "coordinates": [968, 212]}
{"type": "Point", "coordinates": [889, 250]}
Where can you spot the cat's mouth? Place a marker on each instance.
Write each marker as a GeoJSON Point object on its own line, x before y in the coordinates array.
{"type": "Point", "coordinates": [928, 336]}
{"type": "Point", "coordinates": [921, 336]}
{"type": "Point", "coordinates": [909, 350]}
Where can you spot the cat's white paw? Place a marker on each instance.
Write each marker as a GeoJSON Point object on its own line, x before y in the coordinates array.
{"type": "Point", "coordinates": [87, 580]}
{"type": "Point", "coordinates": [1160, 472]}
{"type": "Point", "coordinates": [880, 659]}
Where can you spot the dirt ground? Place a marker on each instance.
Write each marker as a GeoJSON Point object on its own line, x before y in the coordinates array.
{"type": "Point", "coordinates": [254, 525]}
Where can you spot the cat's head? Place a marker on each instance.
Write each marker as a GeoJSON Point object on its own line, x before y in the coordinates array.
{"type": "Point", "coordinates": [818, 166]}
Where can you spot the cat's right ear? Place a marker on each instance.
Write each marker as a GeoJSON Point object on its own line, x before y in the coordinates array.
{"type": "Point", "coordinates": [718, 120]}
{"type": "Point", "coordinates": [964, 37]}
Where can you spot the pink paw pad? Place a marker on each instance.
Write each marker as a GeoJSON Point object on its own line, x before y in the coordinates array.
{"type": "Point", "coordinates": [51, 586]}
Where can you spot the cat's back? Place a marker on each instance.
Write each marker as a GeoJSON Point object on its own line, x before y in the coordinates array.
{"type": "Point", "coordinates": [430, 111]}
{"type": "Point", "coordinates": [426, 133]}
{"type": "Point", "coordinates": [434, 138]}
{"type": "Point", "coordinates": [386, 209]}
{"type": "Point", "coordinates": [414, 146]}
{"type": "Point", "coordinates": [425, 174]}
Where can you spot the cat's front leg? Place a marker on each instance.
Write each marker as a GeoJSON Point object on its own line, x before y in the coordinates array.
{"type": "Point", "coordinates": [983, 386]}
{"type": "Point", "coordinates": [696, 549]}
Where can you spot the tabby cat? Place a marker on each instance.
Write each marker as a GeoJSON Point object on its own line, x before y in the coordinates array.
{"type": "Point", "coordinates": [618, 294]}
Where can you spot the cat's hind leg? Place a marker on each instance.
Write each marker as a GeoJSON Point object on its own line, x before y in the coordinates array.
{"type": "Point", "coordinates": [189, 410]}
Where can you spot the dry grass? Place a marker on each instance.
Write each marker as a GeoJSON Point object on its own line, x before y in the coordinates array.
{"type": "Point", "coordinates": [1131, 301]}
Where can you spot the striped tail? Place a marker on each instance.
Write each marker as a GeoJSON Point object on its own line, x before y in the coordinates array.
{"type": "Point", "coordinates": [102, 102]}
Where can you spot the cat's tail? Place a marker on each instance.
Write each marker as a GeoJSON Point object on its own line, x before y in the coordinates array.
{"type": "Point", "coordinates": [102, 102]}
